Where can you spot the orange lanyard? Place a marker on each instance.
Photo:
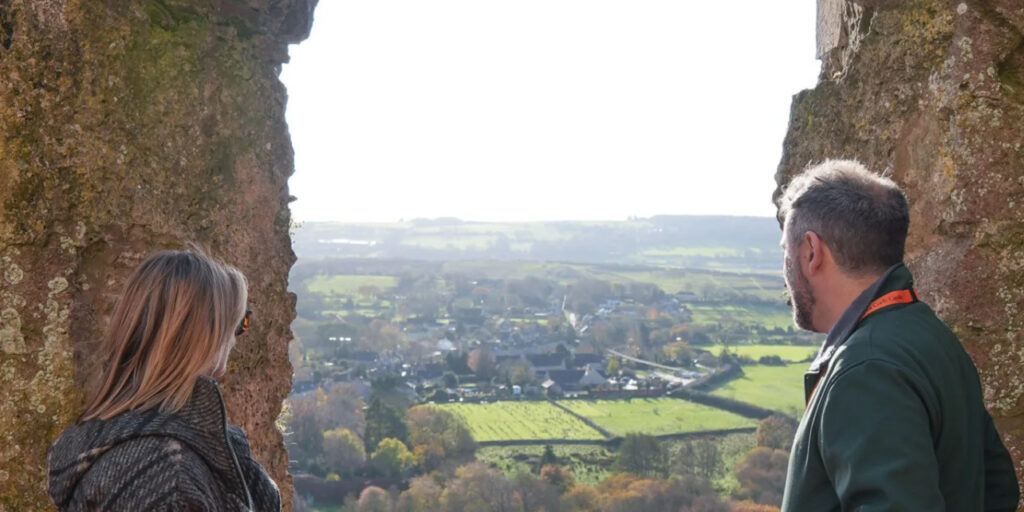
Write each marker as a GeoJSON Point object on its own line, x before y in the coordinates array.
{"type": "Point", "coordinates": [890, 299]}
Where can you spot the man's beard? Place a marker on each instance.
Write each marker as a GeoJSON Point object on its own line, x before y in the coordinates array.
{"type": "Point", "coordinates": [800, 295]}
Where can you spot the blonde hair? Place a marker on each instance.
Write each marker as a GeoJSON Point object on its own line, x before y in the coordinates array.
{"type": "Point", "coordinates": [174, 321]}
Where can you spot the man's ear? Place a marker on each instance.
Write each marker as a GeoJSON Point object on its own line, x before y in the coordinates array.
{"type": "Point", "coordinates": [814, 257]}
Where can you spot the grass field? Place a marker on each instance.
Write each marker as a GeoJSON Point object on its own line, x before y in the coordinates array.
{"type": "Point", "coordinates": [589, 463]}
{"type": "Point", "coordinates": [465, 241]}
{"type": "Point", "coordinates": [709, 252]}
{"type": "Point", "coordinates": [655, 415]}
{"type": "Point", "coordinates": [348, 284]}
{"type": "Point", "coordinates": [704, 282]}
{"type": "Point", "coordinates": [497, 421]}
{"type": "Point", "coordinates": [775, 387]}
{"type": "Point", "coordinates": [769, 316]}
{"type": "Point", "coordinates": [792, 353]}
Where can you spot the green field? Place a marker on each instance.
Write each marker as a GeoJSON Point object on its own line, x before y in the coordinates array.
{"type": "Point", "coordinates": [769, 316]}
{"type": "Point", "coordinates": [589, 463]}
{"type": "Point", "coordinates": [792, 353]}
{"type": "Point", "coordinates": [498, 421]}
{"type": "Point", "coordinates": [707, 284]}
{"type": "Point", "coordinates": [348, 284]}
{"type": "Point", "coordinates": [775, 387]}
{"type": "Point", "coordinates": [655, 415]}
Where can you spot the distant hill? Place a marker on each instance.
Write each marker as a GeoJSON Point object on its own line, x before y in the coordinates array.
{"type": "Point", "coordinates": [703, 242]}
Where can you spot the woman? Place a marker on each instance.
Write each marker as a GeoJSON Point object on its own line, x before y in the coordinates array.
{"type": "Point", "coordinates": [154, 435]}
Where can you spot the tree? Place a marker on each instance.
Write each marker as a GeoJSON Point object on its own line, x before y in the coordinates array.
{"type": "Point", "coordinates": [451, 381]}
{"type": "Point", "coordinates": [479, 488]}
{"type": "Point", "coordinates": [699, 457]}
{"type": "Point", "coordinates": [344, 409]}
{"type": "Point", "coordinates": [383, 335]}
{"type": "Point", "coordinates": [641, 454]}
{"type": "Point", "coordinates": [679, 351]}
{"type": "Point", "coordinates": [536, 493]}
{"type": "Point", "coordinates": [422, 495]}
{"type": "Point", "coordinates": [374, 499]}
{"type": "Point", "coordinates": [520, 373]}
{"type": "Point", "coordinates": [343, 451]}
{"type": "Point", "coordinates": [776, 432]}
{"type": "Point", "coordinates": [457, 362]}
{"type": "Point", "coordinates": [613, 366]}
{"type": "Point", "coordinates": [382, 421]}
{"type": "Point", "coordinates": [624, 492]}
{"type": "Point", "coordinates": [392, 458]}
{"type": "Point", "coordinates": [762, 475]}
{"type": "Point", "coordinates": [436, 434]}
{"type": "Point", "coordinates": [580, 498]}
{"type": "Point", "coordinates": [483, 363]}
{"type": "Point", "coordinates": [750, 506]}
{"type": "Point", "coordinates": [548, 457]}
{"type": "Point", "coordinates": [558, 476]}
{"type": "Point", "coordinates": [305, 425]}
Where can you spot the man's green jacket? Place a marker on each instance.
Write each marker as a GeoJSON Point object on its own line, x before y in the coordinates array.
{"type": "Point", "coordinates": [895, 419]}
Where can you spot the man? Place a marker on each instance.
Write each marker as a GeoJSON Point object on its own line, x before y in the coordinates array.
{"type": "Point", "coordinates": [894, 419]}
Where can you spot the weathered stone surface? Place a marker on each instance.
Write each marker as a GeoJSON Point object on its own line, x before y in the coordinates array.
{"type": "Point", "coordinates": [126, 127]}
{"type": "Point", "coordinates": [933, 90]}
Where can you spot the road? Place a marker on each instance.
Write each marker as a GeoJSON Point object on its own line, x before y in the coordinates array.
{"type": "Point", "coordinates": [673, 376]}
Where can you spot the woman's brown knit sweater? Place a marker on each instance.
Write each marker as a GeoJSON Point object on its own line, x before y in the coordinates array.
{"type": "Point", "coordinates": [192, 460]}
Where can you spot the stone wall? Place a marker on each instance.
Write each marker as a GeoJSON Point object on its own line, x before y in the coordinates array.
{"type": "Point", "coordinates": [933, 91]}
{"type": "Point", "coordinates": [128, 126]}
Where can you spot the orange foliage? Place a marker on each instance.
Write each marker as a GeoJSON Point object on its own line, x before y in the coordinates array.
{"type": "Point", "coordinates": [750, 506]}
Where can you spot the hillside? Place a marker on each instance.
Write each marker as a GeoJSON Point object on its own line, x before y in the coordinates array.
{"type": "Point", "coordinates": [697, 242]}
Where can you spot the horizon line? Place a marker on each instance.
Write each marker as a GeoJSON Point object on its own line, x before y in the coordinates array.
{"type": "Point", "coordinates": [532, 221]}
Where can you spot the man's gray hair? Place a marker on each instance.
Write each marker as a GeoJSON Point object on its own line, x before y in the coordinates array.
{"type": "Point", "coordinates": [861, 216]}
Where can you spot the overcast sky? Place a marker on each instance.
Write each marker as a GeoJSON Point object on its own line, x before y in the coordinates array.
{"type": "Point", "coordinates": [543, 109]}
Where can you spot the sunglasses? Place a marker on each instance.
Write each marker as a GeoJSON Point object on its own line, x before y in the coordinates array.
{"type": "Point", "coordinates": [244, 324]}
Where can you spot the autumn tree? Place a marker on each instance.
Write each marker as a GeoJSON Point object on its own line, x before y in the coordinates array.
{"type": "Point", "coordinates": [679, 351]}
{"type": "Point", "coordinates": [384, 335]}
{"type": "Point", "coordinates": [750, 506]}
{"type": "Point", "coordinates": [558, 476]}
{"type": "Point", "coordinates": [343, 408]}
{"type": "Point", "coordinates": [762, 475]}
{"type": "Point", "coordinates": [423, 494]}
{"type": "Point", "coordinates": [483, 363]}
{"type": "Point", "coordinates": [641, 454]}
{"type": "Point", "coordinates": [580, 498]}
{"type": "Point", "coordinates": [392, 458]}
{"type": "Point", "coordinates": [536, 493]}
{"type": "Point", "coordinates": [436, 434]}
{"type": "Point", "coordinates": [374, 499]}
{"type": "Point", "coordinates": [479, 488]}
{"type": "Point", "coordinates": [519, 373]}
{"type": "Point", "coordinates": [343, 451]}
{"type": "Point", "coordinates": [776, 432]}
{"type": "Point", "coordinates": [624, 492]}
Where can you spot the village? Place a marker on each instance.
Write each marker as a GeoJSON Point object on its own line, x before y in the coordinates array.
{"type": "Point", "coordinates": [525, 358]}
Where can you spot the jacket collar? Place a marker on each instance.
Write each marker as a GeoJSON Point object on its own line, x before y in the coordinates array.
{"type": "Point", "coordinates": [201, 425]}
{"type": "Point", "coordinates": [897, 277]}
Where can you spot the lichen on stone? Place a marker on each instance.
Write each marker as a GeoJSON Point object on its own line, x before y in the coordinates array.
{"type": "Point", "coordinates": [126, 128]}
{"type": "Point", "coordinates": [935, 92]}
